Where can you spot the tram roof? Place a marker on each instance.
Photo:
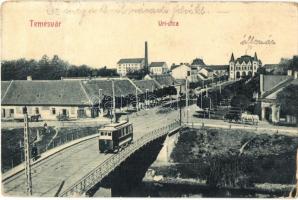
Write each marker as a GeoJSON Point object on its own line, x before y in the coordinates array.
{"type": "Point", "coordinates": [115, 126]}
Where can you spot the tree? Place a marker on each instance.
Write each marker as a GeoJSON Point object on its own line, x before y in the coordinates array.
{"type": "Point", "coordinates": [240, 101]}
{"type": "Point", "coordinates": [287, 99]}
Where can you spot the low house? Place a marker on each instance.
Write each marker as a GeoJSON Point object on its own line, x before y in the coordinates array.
{"type": "Point", "coordinates": [126, 65]}
{"type": "Point", "coordinates": [206, 72]}
{"type": "Point", "coordinates": [46, 98]}
{"type": "Point", "coordinates": [158, 68]}
{"type": "Point", "coordinates": [219, 70]}
{"type": "Point", "coordinates": [184, 71]}
{"type": "Point", "coordinates": [270, 86]}
{"type": "Point", "coordinates": [51, 98]}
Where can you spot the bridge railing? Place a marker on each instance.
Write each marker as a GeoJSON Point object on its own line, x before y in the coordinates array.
{"type": "Point", "coordinates": [96, 175]}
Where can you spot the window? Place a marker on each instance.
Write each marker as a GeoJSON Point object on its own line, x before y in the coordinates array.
{"type": "Point", "coordinates": [101, 133]}
{"type": "Point", "coordinates": [109, 134]}
{"type": "Point", "coordinates": [24, 110]}
{"type": "Point", "coordinates": [36, 110]}
{"type": "Point", "coordinates": [53, 111]}
{"type": "Point", "coordinates": [106, 133]}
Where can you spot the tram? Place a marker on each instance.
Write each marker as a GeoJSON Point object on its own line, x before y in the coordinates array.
{"type": "Point", "coordinates": [115, 136]}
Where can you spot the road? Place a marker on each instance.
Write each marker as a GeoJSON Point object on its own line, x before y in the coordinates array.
{"type": "Point", "coordinates": [73, 163]}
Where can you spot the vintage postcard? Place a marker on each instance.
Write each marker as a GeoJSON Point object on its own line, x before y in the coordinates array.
{"type": "Point", "coordinates": [149, 99]}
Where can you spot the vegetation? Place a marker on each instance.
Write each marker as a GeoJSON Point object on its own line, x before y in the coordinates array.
{"type": "Point", "coordinates": [48, 69]}
{"type": "Point", "coordinates": [287, 99]}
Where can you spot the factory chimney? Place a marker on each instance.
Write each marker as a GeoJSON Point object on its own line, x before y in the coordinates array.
{"type": "Point", "coordinates": [146, 58]}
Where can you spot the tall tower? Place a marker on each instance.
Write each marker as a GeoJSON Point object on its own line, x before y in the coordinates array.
{"type": "Point", "coordinates": [146, 58]}
{"type": "Point", "coordinates": [232, 69]}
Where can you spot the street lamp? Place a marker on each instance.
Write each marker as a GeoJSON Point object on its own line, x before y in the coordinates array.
{"type": "Point", "coordinates": [146, 99]}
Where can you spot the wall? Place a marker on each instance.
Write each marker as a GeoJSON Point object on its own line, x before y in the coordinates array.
{"type": "Point", "coordinates": [46, 112]}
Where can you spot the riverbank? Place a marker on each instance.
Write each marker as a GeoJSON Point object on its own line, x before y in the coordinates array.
{"type": "Point", "coordinates": [230, 160]}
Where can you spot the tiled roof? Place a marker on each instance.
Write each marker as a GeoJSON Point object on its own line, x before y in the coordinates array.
{"type": "Point", "coordinates": [122, 87]}
{"type": "Point", "coordinates": [245, 59]}
{"type": "Point", "coordinates": [198, 61]}
{"type": "Point", "coordinates": [270, 81]}
{"type": "Point", "coordinates": [64, 92]}
{"type": "Point", "coordinates": [45, 93]}
{"type": "Point", "coordinates": [150, 85]}
{"type": "Point", "coordinates": [218, 67]}
{"type": "Point", "coordinates": [4, 86]}
{"type": "Point", "coordinates": [165, 79]}
{"type": "Point", "coordinates": [157, 64]}
{"type": "Point", "coordinates": [131, 60]}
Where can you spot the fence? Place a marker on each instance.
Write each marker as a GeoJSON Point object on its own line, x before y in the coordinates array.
{"type": "Point", "coordinates": [96, 175]}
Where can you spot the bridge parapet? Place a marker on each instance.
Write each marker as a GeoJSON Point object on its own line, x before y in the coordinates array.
{"type": "Point", "coordinates": [96, 175]}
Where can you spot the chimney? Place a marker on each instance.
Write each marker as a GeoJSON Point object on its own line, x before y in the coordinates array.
{"type": "Point", "coordinates": [29, 78]}
{"type": "Point", "coordinates": [146, 57]}
{"type": "Point", "coordinates": [261, 84]}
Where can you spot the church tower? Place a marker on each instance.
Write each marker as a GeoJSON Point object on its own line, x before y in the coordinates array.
{"type": "Point", "coordinates": [255, 64]}
{"type": "Point", "coordinates": [232, 68]}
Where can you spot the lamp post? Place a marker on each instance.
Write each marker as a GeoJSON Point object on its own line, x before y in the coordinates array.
{"type": "Point", "coordinates": [121, 102]}
{"type": "Point", "coordinates": [146, 99]}
{"type": "Point", "coordinates": [27, 153]}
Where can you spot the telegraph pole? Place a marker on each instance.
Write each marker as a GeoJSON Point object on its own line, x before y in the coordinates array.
{"type": "Point", "coordinates": [180, 109]}
{"type": "Point", "coordinates": [137, 101]}
{"type": "Point", "coordinates": [27, 153]}
{"type": "Point", "coordinates": [186, 86]}
{"type": "Point", "coordinates": [114, 104]}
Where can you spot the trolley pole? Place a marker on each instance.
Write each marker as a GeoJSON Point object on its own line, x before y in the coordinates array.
{"type": "Point", "coordinates": [27, 153]}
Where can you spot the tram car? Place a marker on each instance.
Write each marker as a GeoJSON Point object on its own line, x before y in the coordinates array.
{"type": "Point", "coordinates": [115, 136]}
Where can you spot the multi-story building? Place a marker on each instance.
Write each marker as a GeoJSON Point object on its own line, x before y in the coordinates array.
{"type": "Point", "coordinates": [244, 66]}
{"type": "Point", "coordinates": [126, 65]}
{"type": "Point", "coordinates": [158, 68]}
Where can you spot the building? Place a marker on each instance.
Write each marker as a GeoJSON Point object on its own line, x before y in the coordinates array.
{"type": "Point", "coordinates": [243, 66]}
{"type": "Point", "coordinates": [206, 72]}
{"type": "Point", "coordinates": [126, 65]}
{"type": "Point", "coordinates": [158, 68]}
{"type": "Point", "coordinates": [270, 86]}
{"type": "Point", "coordinates": [219, 70]}
{"type": "Point", "coordinates": [198, 62]}
{"type": "Point", "coordinates": [52, 98]}
{"type": "Point", "coordinates": [184, 71]}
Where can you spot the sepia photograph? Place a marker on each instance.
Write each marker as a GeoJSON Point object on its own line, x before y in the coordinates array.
{"type": "Point", "coordinates": [147, 99]}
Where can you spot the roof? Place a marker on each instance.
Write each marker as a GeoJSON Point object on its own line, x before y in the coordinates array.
{"type": "Point", "coordinates": [218, 67]}
{"type": "Point", "coordinates": [202, 75]}
{"type": "Point", "coordinates": [270, 81]}
{"type": "Point", "coordinates": [165, 79]}
{"type": "Point", "coordinates": [273, 84]}
{"type": "Point", "coordinates": [207, 69]}
{"type": "Point", "coordinates": [271, 66]}
{"type": "Point", "coordinates": [4, 86]}
{"type": "Point", "coordinates": [144, 85]}
{"type": "Point", "coordinates": [198, 61]}
{"type": "Point", "coordinates": [64, 92]}
{"type": "Point", "coordinates": [130, 60]}
{"type": "Point", "coordinates": [49, 92]}
{"type": "Point", "coordinates": [122, 87]}
{"type": "Point", "coordinates": [245, 59]}
{"type": "Point", "coordinates": [157, 64]}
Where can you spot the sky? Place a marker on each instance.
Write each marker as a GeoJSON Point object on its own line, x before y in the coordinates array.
{"type": "Point", "coordinates": [100, 33]}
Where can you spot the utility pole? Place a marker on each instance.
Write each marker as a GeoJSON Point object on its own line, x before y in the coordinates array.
{"type": "Point", "coordinates": [186, 86]}
{"type": "Point", "coordinates": [114, 104]}
{"type": "Point", "coordinates": [137, 101]}
{"type": "Point", "coordinates": [180, 109]}
{"type": "Point", "coordinates": [27, 153]}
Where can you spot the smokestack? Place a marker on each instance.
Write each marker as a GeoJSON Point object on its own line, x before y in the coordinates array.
{"type": "Point", "coordinates": [146, 57]}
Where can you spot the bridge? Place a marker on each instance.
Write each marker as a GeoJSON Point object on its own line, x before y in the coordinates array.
{"type": "Point", "coordinates": [76, 169]}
